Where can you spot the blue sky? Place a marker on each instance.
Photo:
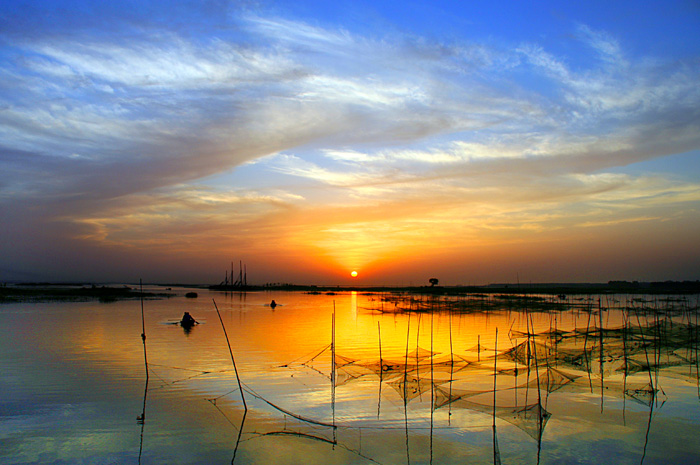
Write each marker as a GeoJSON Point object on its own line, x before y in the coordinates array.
{"type": "Point", "coordinates": [472, 141]}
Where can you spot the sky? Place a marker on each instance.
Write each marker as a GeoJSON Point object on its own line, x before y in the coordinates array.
{"type": "Point", "coordinates": [473, 142]}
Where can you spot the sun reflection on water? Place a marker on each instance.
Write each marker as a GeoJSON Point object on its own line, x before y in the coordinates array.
{"type": "Point", "coordinates": [396, 374]}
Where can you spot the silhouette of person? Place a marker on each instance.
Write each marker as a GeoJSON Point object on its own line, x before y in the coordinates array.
{"type": "Point", "coordinates": [187, 320]}
{"type": "Point", "coordinates": [273, 304]}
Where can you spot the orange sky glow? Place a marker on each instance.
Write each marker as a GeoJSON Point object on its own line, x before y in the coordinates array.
{"type": "Point", "coordinates": [307, 146]}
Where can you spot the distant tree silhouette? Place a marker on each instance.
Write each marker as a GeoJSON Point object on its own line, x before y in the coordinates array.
{"type": "Point", "coordinates": [433, 282]}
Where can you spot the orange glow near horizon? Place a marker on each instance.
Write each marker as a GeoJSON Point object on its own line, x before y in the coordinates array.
{"type": "Point", "coordinates": [402, 244]}
{"type": "Point", "coordinates": [502, 174]}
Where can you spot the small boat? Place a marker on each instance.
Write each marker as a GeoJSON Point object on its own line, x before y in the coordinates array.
{"type": "Point", "coordinates": [187, 320]}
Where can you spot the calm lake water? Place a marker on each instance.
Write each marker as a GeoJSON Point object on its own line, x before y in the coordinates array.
{"type": "Point", "coordinates": [351, 378]}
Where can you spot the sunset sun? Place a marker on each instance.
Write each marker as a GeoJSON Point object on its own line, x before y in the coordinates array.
{"type": "Point", "coordinates": [353, 274]}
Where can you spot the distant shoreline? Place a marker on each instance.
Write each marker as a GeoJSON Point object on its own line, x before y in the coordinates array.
{"type": "Point", "coordinates": [48, 292]}
{"type": "Point", "coordinates": [612, 287]}
{"type": "Point", "coordinates": [37, 292]}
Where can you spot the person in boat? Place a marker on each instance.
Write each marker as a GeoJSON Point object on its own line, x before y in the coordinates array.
{"type": "Point", "coordinates": [187, 320]}
{"type": "Point", "coordinates": [273, 304]}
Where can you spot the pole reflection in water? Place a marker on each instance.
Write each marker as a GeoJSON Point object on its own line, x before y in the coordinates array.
{"type": "Point", "coordinates": [554, 359]}
{"type": "Point", "coordinates": [496, 450]}
{"type": "Point", "coordinates": [435, 399]}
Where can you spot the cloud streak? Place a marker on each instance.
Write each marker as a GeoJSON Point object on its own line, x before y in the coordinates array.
{"type": "Point", "coordinates": [356, 147]}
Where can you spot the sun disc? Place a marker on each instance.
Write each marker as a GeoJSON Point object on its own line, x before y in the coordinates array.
{"type": "Point", "coordinates": [354, 274]}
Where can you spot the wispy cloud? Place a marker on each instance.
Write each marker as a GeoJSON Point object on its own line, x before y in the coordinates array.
{"type": "Point", "coordinates": [607, 46]}
{"type": "Point", "coordinates": [375, 143]}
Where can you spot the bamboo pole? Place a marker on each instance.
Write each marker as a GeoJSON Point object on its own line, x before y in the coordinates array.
{"type": "Point", "coordinates": [600, 354]}
{"type": "Point", "coordinates": [333, 375]}
{"type": "Point", "coordinates": [143, 338]}
{"type": "Point", "coordinates": [496, 452]}
{"type": "Point", "coordinates": [381, 370]}
{"type": "Point", "coordinates": [452, 369]}
{"type": "Point", "coordinates": [540, 414]}
{"type": "Point", "coordinates": [405, 379]}
{"type": "Point", "coordinates": [432, 385]}
{"type": "Point", "coordinates": [238, 378]}
{"type": "Point", "coordinates": [142, 418]}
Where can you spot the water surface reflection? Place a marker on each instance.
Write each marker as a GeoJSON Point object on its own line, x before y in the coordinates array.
{"type": "Point", "coordinates": [353, 378]}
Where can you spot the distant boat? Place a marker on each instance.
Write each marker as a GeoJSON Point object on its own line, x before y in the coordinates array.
{"type": "Point", "coordinates": [187, 321]}
{"type": "Point", "coordinates": [191, 295]}
{"type": "Point", "coordinates": [187, 324]}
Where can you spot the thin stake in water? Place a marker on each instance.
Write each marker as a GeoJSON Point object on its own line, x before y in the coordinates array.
{"type": "Point", "coordinates": [238, 378]}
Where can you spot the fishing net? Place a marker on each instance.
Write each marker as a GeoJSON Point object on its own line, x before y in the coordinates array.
{"type": "Point", "coordinates": [530, 418]}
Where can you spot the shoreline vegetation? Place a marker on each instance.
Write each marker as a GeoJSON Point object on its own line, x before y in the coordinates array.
{"type": "Point", "coordinates": [72, 292]}
{"type": "Point", "coordinates": [37, 292]}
